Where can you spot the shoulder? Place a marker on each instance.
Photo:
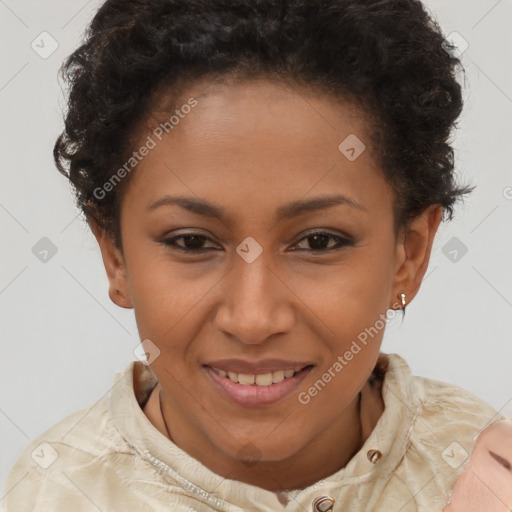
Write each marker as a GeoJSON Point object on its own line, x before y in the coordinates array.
{"type": "Point", "coordinates": [452, 410]}
{"type": "Point", "coordinates": [46, 466]}
{"type": "Point", "coordinates": [437, 403]}
{"type": "Point", "coordinates": [449, 420]}
{"type": "Point", "coordinates": [57, 469]}
{"type": "Point", "coordinates": [443, 422]}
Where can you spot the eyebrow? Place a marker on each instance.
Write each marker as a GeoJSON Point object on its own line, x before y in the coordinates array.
{"type": "Point", "coordinates": [284, 212]}
{"type": "Point", "coordinates": [504, 462]}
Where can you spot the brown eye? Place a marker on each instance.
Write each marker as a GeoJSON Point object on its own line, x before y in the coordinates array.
{"type": "Point", "coordinates": [320, 240]}
{"type": "Point", "coordinates": [191, 242]}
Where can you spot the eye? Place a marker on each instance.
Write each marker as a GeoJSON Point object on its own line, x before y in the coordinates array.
{"type": "Point", "coordinates": [192, 242]}
{"type": "Point", "coordinates": [319, 241]}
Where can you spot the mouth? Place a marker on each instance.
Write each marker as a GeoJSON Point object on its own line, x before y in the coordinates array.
{"type": "Point", "coordinates": [253, 390]}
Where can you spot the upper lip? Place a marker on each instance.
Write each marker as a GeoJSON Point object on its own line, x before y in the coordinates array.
{"type": "Point", "coordinates": [257, 367]}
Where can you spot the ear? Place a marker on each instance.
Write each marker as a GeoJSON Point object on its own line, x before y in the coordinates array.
{"type": "Point", "coordinates": [113, 260]}
{"type": "Point", "coordinates": [413, 254]}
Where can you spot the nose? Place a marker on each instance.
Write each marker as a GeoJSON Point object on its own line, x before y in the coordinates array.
{"type": "Point", "coordinates": [256, 302]}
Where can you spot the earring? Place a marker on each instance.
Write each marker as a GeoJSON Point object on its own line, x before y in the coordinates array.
{"type": "Point", "coordinates": [401, 296]}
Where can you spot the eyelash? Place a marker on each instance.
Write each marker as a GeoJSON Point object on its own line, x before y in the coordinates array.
{"type": "Point", "coordinates": [171, 243]}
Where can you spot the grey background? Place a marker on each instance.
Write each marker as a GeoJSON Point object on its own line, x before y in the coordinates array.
{"type": "Point", "coordinates": [62, 340]}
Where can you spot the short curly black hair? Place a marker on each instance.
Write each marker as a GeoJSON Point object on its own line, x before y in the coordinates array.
{"type": "Point", "coordinates": [388, 56]}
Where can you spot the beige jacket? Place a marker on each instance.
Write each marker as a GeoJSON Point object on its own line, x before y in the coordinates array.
{"type": "Point", "coordinates": [109, 457]}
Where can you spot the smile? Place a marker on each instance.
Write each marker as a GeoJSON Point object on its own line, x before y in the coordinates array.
{"type": "Point", "coordinates": [253, 390]}
{"type": "Point", "coordinates": [263, 379]}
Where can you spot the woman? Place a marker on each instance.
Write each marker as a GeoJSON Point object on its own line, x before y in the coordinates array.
{"type": "Point", "coordinates": [212, 147]}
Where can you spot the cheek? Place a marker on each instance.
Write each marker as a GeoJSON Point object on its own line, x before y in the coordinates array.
{"type": "Point", "coordinates": [337, 298]}
{"type": "Point", "coordinates": [165, 292]}
{"type": "Point", "coordinates": [353, 305]}
{"type": "Point", "coordinates": [357, 297]}
{"type": "Point", "coordinates": [355, 309]}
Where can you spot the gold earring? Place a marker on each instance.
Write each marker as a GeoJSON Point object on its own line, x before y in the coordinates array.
{"type": "Point", "coordinates": [401, 296]}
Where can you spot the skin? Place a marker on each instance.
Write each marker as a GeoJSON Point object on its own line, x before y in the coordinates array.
{"type": "Point", "coordinates": [252, 147]}
{"type": "Point", "coordinates": [486, 483]}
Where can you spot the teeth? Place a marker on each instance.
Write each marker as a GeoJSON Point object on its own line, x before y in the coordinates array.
{"type": "Point", "coordinates": [264, 379]}
{"type": "Point", "coordinates": [278, 376]}
{"type": "Point", "coordinates": [245, 379]}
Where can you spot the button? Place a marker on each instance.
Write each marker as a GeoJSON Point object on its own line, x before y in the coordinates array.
{"type": "Point", "coordinates": [323, 504]}
{"type": "Point", "coordinates": [374, 456]}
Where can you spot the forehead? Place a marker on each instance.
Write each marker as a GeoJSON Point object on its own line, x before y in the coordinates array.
{"type": "Point", "coordinates": [500, 430]}
{"type": "Point", "coordinates": [255, 142]}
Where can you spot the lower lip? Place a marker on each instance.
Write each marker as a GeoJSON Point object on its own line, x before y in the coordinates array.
{"type": "Point", "coordinates": [255, 396]}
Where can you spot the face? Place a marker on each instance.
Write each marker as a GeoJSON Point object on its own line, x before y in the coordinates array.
{"type": "Point", "coordinates": [252, 244]}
